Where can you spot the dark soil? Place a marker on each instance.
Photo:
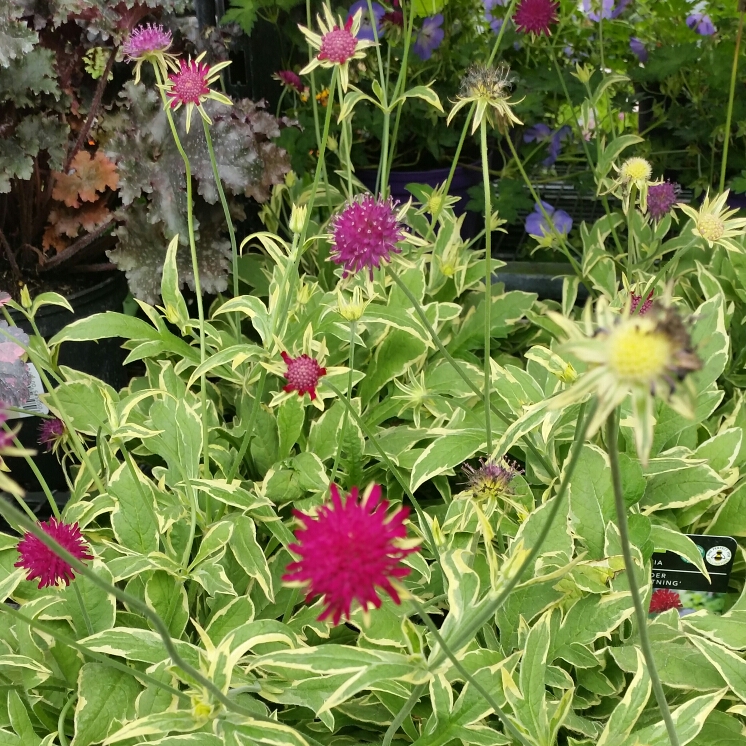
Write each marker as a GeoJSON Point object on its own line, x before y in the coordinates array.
{"type": "Point", "coordinates": [64, 283]}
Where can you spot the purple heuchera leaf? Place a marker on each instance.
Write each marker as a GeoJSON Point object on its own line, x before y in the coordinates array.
{"type": "Point", "coordinates": [639, 49]}
{"type": "Point", "coordinates": [536, 223]}
{"type": "Point", "coordinates": [366, 27]}
{"type": "Point", "coordinates": [701, 23]}
{"type": "Point", "coordinates": [429, 38]}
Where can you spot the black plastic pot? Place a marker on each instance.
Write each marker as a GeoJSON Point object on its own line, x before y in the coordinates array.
{"type": "Point", "coordinates": [253, 58]}
{"type": "Point", "coordinates": [542, 278]}
{"type": "Point", "coordinates": [102, 359]}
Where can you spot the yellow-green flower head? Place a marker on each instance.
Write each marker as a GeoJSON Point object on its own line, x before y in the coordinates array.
{"type": "Point", "coordinates": [337, 44]}
{"type": "Point", "coordinates": [489, 88]}
{"type": "Point", "coordinates": [715, 223]}
{"type": "Point", "coordinates": [634, 173]}
{"type": "Point", "coordinates": [646, 356]}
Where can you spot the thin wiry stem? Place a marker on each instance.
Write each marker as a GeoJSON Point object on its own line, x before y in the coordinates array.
{"type": "Point", "coordinates": [487, 282]}
{"type": "Point", "coordinates": [731, 94]}
{"type": "Point", "coordinates": [612, 433]}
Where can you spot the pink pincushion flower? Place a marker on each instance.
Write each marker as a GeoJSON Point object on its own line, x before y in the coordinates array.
{"type": "Point", "coordinates": [290, 79]}
{"type": "Point", "coordinates": [364, 233]}
{"type": "Point", "coordinates": [6, 439]}
{"type": "Point", "coordinates": [662, 198]}
{"type": "Point", "coordinates": [303, 374]}
{"type": "Point", "coordinates": [663, 600]}
{"type": "Point", "coordinates": [51, 433]}
{"type": "Point", "coordinates": [42, 562]}
{"type": "Point", "coordinates": [535, 16]}
{"type": "Point", "coordinates": [349, 551]}
{"type": "Point", "coordinates": [149, 43]}
{"type": "Point", "coordinates": [190, 86]}
{"type": "Point", "coordinates": [146, 40]}
{"type": "Point", "coordinates": [635, 302]}
{"type": "Point", "coordinates": [337, 44]}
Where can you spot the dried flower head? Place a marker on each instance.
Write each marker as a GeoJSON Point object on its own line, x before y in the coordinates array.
{"type": "Point", "coordinates": [365, 233]}
{"type": "Point", "coordinates": [337, 44]}
{"type": "Point", "coordinates": [51, 433]}
{"type": "Point", "coordinates": [492, 479]}
{"type": "Point", "coordinates": [715, 223]}
{"type": "Point", "coordinates": [149, 43]}
{"type": "Point", "coordinates": [190, 86]}
{"type": "Point", "coordinates": [349, 551]}
{"type": "Point", "coordinates": [42, 562]}
{"type": "Point", "coordinates": [489, 88]}
{"type": "Point", "coordinates": [661, 199]}
{"type": "Point", "coordinates": [536, 16]}
{"type": "Point", "coordinates": [645, 356]}
{"type": "Point", "coordinates": [302, 374]}
{"type": "Point", "coordinates": [663, 600]}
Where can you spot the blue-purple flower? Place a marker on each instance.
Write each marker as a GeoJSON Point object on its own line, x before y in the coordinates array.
{"type": "Point", "coordinates": [537, 225]}
{"type": "Point", "coordinates": [701, 23]}
{"type": "Point", "coordinates": [366, 26]}
{"type": "Point", "coordinates": [495, 22]}
{"type": "Point", "coordinates": [639, 49]}
{"type": "Point", "coordinates": [540, 132]}
{"type": "Point", "coordinates": [429, 37]}
{"type": "Point", "coordinates": [608, 10]}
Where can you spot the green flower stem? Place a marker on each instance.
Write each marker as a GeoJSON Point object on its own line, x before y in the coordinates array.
{"type": "Point", "coordinates": [406, 708]}
{"type": "Point", "coordinates": [351, 364]}
{"type": "Point", "coordinates": [61, 719]}
{"type": "Point", "coordinates": [229, 222]}
{"type": "Point", "coordinates": [289, 279]}
{"type": "Point", "coordinates": [11, 514]}
{"type": "Point", "coordinates": [488, 698]}
{"type": "Point", "coordinates": [100, 657]}
{"type": "Point", "coordinates": [39, 478]}
{"type": "Point", "coordinates": [467, 632]}
{"type": "Point", "coordinates": [78, 446]}
{"type": "Point", "coordinates": [454, 364]}
{"type": "Point", "coordinates": [537, 200]}
{"type": "Point", "coordinates": [391, 467]}
{"type": "Point", "coordinates": [631, 253]}
{"type": "Point", "coordinates": [496, 45]}
{"type": "Point", "coordinates": [401, 83]}
{"type": "Point", "coordinates": [83, 610]}
{"type": "Point", "coordinates": [197, 285]}
{"type": "Point", "coordinates": [586, 150]}
{"type": "Point", "coordinates": [731, 94]}
{"type": "Point", "coordinates": [487, 281]}
{"type": "Point", "coordinates": [612, 431]}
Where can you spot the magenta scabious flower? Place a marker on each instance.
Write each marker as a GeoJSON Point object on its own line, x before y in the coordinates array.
{"type": "Point", "coordinates": [366, 26]}
{"type": "Point", "coordinates": [350, 551]}
{"type": "Point", "coordinates": [663, 600]}
{"type": "Point", "coordinates": [364, 233]}
{"type": "Point", "coordinates": [51, 432]}
{"type": "Point", "coordinates": [635, 302]}
{"type": "Point", "coordinates": [429, 37]}
{"type": "Point", "coordinates": [42, 562]}
{"type": "Point", "coordinates": [639, 49]}
{"type": "Point", "coordinates": [189, 85]}
{"type": "Point", "coordinates": [394, 18]}
{"type": "Point", "coordinates": [290, 79]}
{"type": "Point", "coordinates": [662, 198]}
{"type": "Point", "coordinates": [146, 40]}
{"type": "Point", "coordinates": [535, 16]}
{"type": "Point", "coordinates": [536, 223]}
{"type": "Point", "coordinates": [303, 374]}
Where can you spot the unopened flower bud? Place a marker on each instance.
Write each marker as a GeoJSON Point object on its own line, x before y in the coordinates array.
{"type": "Point", "coordinates": [25, 297]}
{"type": "Point", "coordinates": [331, 144]}
{"type": "Point", "coordinates": [290, 179]}
{"type": "Point", "coordinates": [298, 218]}
{"type": "Point", "coordinates": [351, 310]}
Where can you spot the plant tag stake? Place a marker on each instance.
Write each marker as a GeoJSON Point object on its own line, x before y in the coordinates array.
{"type": "Point", "coordinates": [673, 572]}
{"type": "Point", "coordinates": [33, 403]}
